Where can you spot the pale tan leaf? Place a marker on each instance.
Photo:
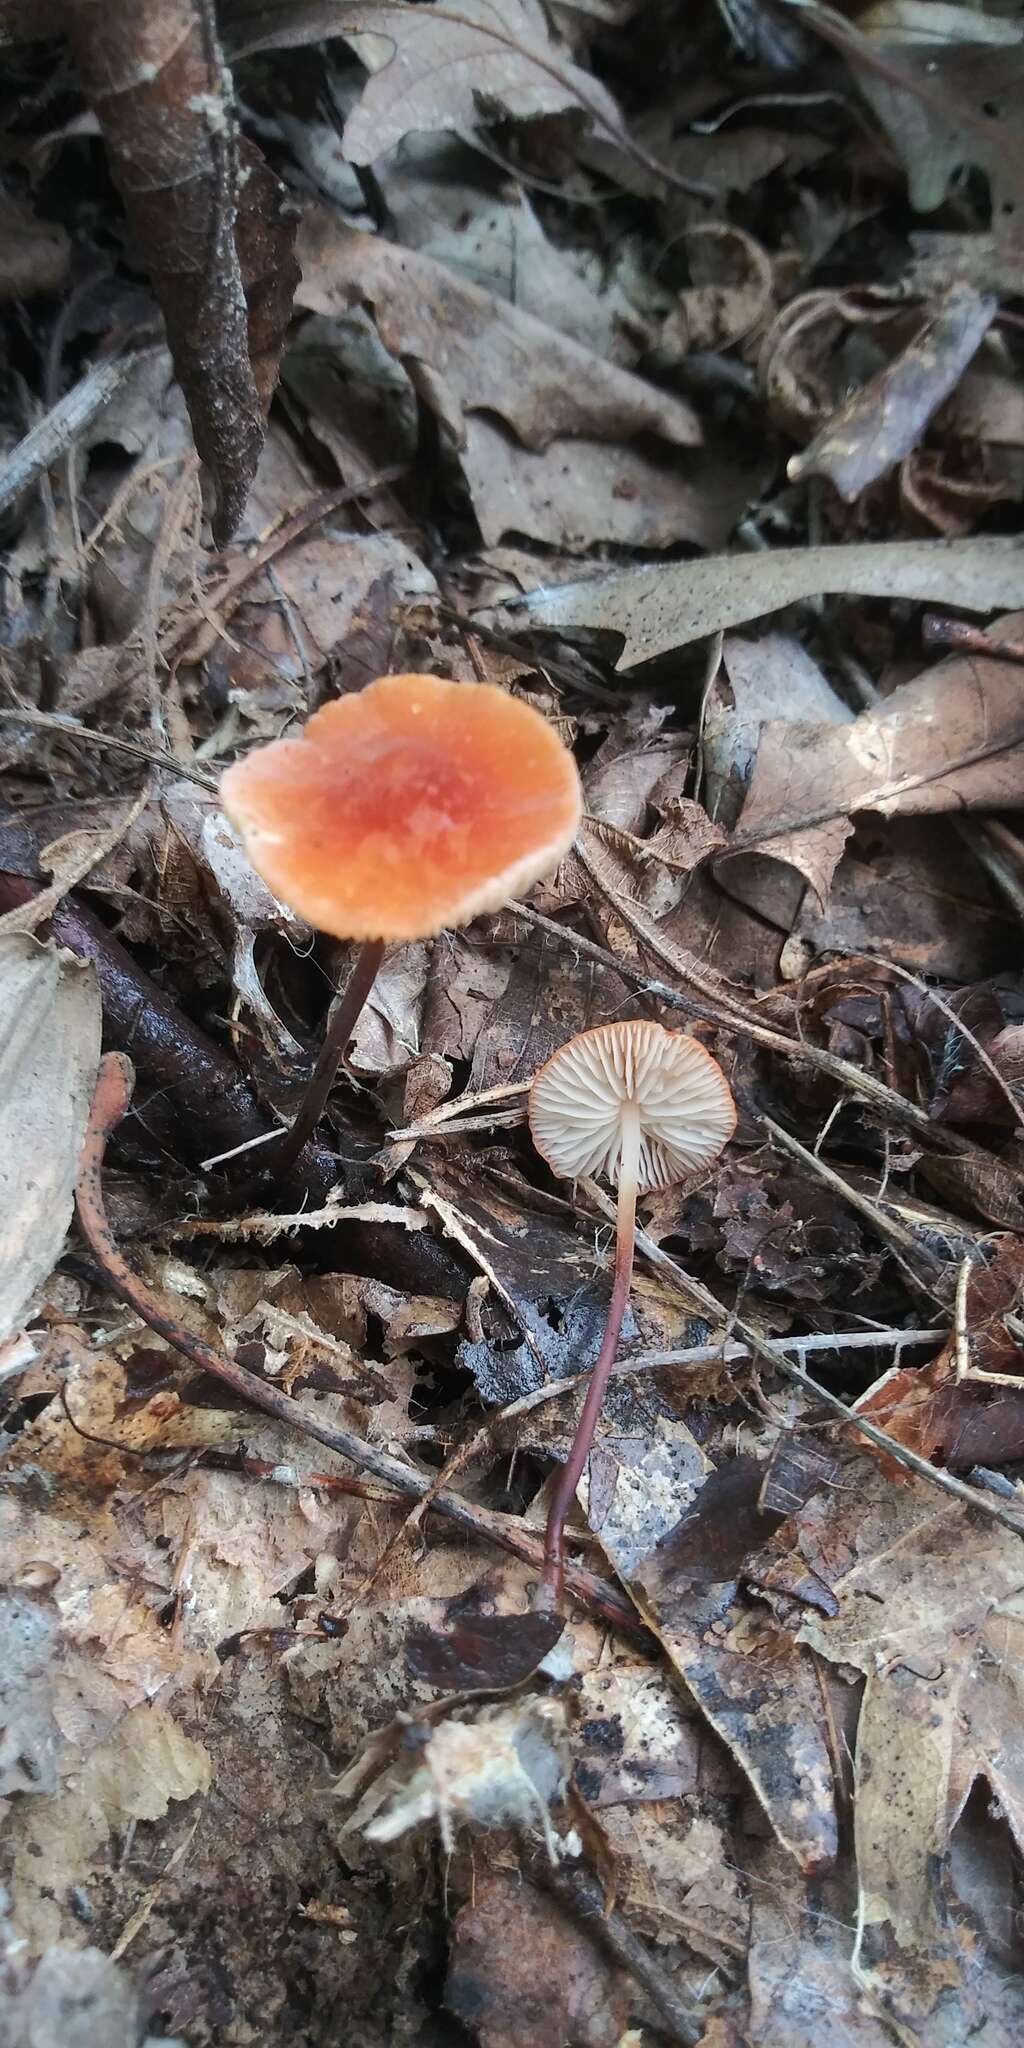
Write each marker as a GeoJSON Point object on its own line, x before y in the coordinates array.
{"type": "Point", "coordinates": [49, 1053]}
{"type": "Point", "coordinates": [657, 609]}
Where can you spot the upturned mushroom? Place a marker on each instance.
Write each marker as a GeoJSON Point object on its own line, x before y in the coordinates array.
{"type": "Point", "coordinates": [642, 1107]}
{"type": "Point", "coordinates": [413, 805]}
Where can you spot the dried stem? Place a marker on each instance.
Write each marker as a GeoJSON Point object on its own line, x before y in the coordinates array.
{"type": "Point", "coordinates": [283, 1153]}
{"type": "Point", "coordinates": [569, 1477]}
{"type": "Point", "coordinates": [109, 1104]}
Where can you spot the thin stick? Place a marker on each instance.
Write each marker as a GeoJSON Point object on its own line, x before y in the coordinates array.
{"type": "Point", "coordinates": [725, 1352]}
{"type": "Point", "coordinates": [109, 1104]}
{"type": "Point", "coordinates": [344, 1017]}
{"type": "Point", "coordinates": [550, 1593]}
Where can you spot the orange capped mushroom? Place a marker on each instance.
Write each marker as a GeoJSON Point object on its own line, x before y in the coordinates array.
{"type": "Point", "coordinates": [416, 804]}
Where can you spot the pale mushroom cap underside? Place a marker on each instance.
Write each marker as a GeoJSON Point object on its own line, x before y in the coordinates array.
{"type": "Point", "coordinates": [684, 1102]}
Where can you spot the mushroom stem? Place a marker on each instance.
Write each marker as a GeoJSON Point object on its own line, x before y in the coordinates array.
{"type": "Point", "coordinates": [341, 1024]}
{"type": "Point", "coordinates": [550, 1596]}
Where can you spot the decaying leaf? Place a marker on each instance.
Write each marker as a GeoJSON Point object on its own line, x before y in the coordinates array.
{"type": "Point", "coordinates": [882, 422]}
{"type": "Point", "coordinates": [961, 69]}
{"type": "Point", "coordinates": [930, 1611]}
{"type": "Point", "coordinates": [521, 1970]}
{"type": "Point", "coordinates": [49, 1053]}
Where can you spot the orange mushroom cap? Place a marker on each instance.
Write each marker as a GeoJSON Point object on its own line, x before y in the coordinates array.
{"type": "Point", "coordinates": [415, 804]}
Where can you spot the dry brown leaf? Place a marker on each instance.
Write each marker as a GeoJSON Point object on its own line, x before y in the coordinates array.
{"type": "Point", "coordinates": [522, 1970]}
{"type": "Point", "coordinates": [468, 352]}
{"type": "Point", "coordinates": [772, 675]}
{"type": "Point", "coordinates": [648, 1501]}
{"type": "Point", "coordinates": [657, 609]}
{"type": "Point", "coordinates": [454, 67]}
{"type": "Point", "coordinates": [962, 66]}
{"type": "Point", "coordinates": [577, 492]}
{"type": "Point", "coordinates": [49, 1054]}
{"type": "Point", "coordinates": [802, 1991]}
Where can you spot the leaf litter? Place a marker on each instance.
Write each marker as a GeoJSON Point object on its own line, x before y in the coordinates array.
{"type": "Point", "coordinates": [664, 370]}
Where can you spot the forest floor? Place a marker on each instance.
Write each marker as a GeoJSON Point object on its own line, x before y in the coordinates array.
{"type": "Point", "coordinates": [662, 365]}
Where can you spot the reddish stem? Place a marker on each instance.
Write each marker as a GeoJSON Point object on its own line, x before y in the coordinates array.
{"type": "Point", "coordinates": [550, 1595]}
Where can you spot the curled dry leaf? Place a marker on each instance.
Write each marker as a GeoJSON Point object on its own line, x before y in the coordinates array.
{"type": "Point", "coordinates": [453, 67]}
{"type": "Point", "coordinates": [657, 609]}
{"type": "Point", "coordinates": [203, 216]}
{"type": "Point", "coordinates": [49, 1054]}
{"type": "Point", "coordinates": [883, 421]}
{"type": "Point", "coordinates": [950, 740]}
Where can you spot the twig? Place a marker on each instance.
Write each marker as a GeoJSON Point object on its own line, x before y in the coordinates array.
{"type": "Point", "coordinates": [939, 632]}
{"type": "Point", "coordinates": [725, 1353]}
{"type": "Point", "coordinates": [189, 643]}
{"type": "Point", "coordinates": [83, 735]}
{"type": "Point", "coordinates": [902, 1242]}
{"type": "Point", "coordinates": [935, 996]}
{"type": "Point", "coordinates": [110, 1102]}
{"type": "Point", "coordinates": [53, 435]}
{"type": "Point", "coordinates": [580, 1893]}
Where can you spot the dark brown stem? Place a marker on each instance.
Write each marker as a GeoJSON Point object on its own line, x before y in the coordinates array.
{"type": "Point", "coordinates": [110, 1101]}
{"type": "Point", "coordinates": [579, 1892]}
{"type": "Point", "coordinates": [937, 631]}
{"type": "Point", "coordinates": [279, 1157]}
{"type": "Point", "coordinates": [550, 1595]}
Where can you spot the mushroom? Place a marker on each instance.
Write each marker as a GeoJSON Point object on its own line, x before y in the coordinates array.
{"type": "Point", "coordinates": [643, 1106]}
{"type": "Point", "coordinates": [412, 805]}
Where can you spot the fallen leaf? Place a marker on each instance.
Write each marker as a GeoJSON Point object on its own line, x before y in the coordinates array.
{"type": "Point", "coordinates": [950, 740]}
{"type": "Point", "coordinates": [576, 492]}
{"type": "Point", "coordinates": [522, 1970]}
{"type": "Point", "coordinates": [469, 352]}
{"type": "Point", "coordinates": [655, 610]}
{"type": "Point", "coordinates": [930, 1610]}
{"type": "Point", "coordinates": [962, 68]}
{"type": "Point", "coordinates": [49, 1054]}
{"type": "Point", "coordinates": [677, 1532]}
{"type": "Point", "coordinates": [453, 67]}
{"type": "Point", "coordinates": [771, 676]}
